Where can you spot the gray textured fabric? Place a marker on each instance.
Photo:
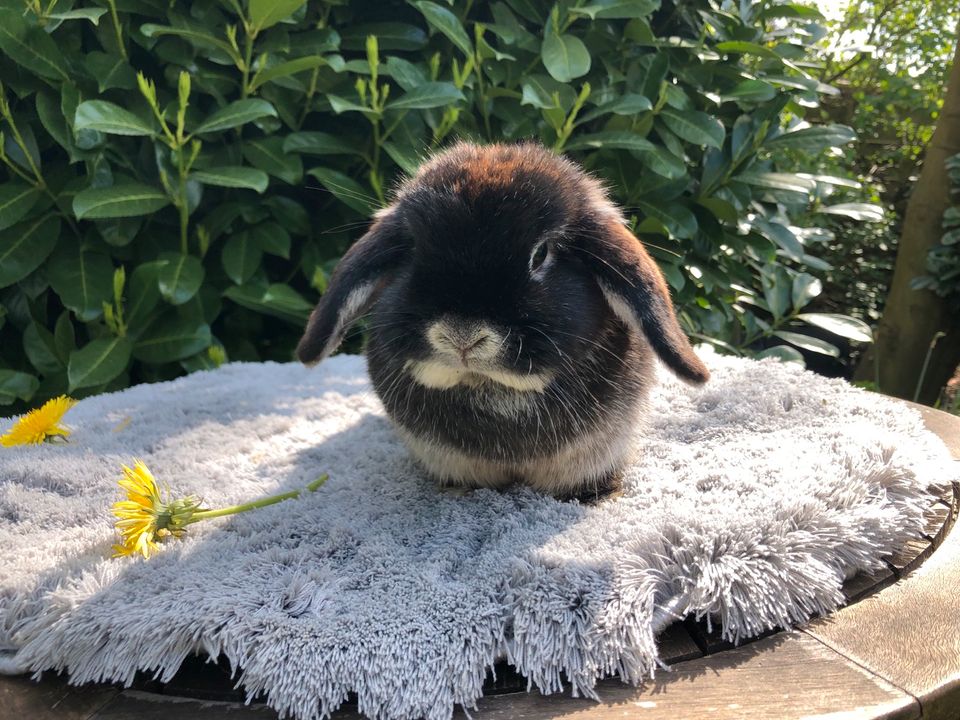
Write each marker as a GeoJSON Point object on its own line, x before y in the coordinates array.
{"type": "Point", "coordinates": [752, 499]}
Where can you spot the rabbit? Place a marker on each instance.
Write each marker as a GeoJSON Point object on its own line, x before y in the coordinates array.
{"type": "Point", "coordinates": [514, 321]}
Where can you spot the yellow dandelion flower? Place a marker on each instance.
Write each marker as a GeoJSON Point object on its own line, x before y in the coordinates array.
{"type": "Point", "coordinates": [40, 425]}
{"type": "Point", "coordinates": [144, 518]}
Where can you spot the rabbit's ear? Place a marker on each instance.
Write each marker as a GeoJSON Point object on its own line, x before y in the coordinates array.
{"type": "Point", "coordinates": [636, 292]}
{"type": "Point", "coordinates": [354, 286]}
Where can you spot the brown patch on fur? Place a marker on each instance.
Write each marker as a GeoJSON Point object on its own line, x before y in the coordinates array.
{"type": "Point", "coordinates": [473, 171]}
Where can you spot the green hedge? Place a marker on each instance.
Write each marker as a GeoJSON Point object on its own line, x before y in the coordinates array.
{"type": "Point", "coordinates": [181, 177]}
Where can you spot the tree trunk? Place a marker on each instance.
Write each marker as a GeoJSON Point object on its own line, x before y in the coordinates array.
{"type": "Point", "coordinates": [912, 318]}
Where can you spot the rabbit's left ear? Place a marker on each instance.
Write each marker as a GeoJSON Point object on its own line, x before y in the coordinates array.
{"type": "Point", "coordinates": [354, 286]}
{"type": "Point", "coordinates": [637, 293]}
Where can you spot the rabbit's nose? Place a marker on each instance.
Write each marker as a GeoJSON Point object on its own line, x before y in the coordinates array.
{"type": "Point", "coordinates": [465, 342]}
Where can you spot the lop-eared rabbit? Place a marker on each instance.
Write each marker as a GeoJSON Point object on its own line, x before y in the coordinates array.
{"type": "Point", "coordinates": [513, 321]}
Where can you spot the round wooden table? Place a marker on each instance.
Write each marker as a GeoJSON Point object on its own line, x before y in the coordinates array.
{"type": "Point", "coordinates": [893, 653]}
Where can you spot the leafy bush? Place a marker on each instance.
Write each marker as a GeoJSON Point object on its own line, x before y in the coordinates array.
{"type": "Point", "coordinates": [889, 62]}
{"type": "Point", "coordinates": [943, 259]}
{"type": "Point", "coordinates": [182, 176]}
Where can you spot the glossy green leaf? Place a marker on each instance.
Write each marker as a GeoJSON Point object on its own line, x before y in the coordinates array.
{"type": "Point", "coordinates": [286, 69]}
{"type": "Point", "coordinates": [345, 189]}
{"type": "Point", "coordinates": [617, 9]}
{"type": "Point", "coordinates": [805, 288]}
{"type": "Point", "coordinates": [109, 118]}
{"type": "Point", "coordinates": [649, 73]}
{"type": "Point", "coordinates": [628, 104]}
{"type": "Point", "coordinates": [747, 48]}
{"type": "Point", "coordinates": [694, 126]}
{"type": "Point", "coordinates": [751, 91]}
{"type": "Point", "coordinates": [317, 143]}
{"type": "Point", "coordinates": [143, 294]}
{"type": "Point", "coordinates": [179, 277]}
{"type": "Point", "coordinates": [126, 200]}
{"type": "Point", "coordinates": [676, 218]}
{"type": "Point", "coordinates": [833, 180]}
{"type": "Point", "coordinates": [664, 163]}
{"type": "Point", "coordinates": [30, 47]}
{"type": "Point", "coordinates": [777, 290]}
{"type": "Point", "coordinates": [565, 57]}
{"type": "Point", "coordinates": [950, 238]}
{"type": "Point", "coordinates": [390, 36]}
{"type": "Point", "coordinates": [538, 96]}
{"type": "Point", "coordinates": [407, 75]}
{"type": "Point", "coordinates": [842, 325]}
{"type": "Point", "coordinates": [721, 209]}
{"type": "Point", "coordinates": [98, 362]}
{"type": "Point", "coordinates": [111, 71]}
{"type": "Point", "coordinates": [806, 342]}
{"type": "Point", "coordinates": [91, 14]}
{"type": "Point", "coordinates": [813, 139]}
{"type": "Point", "coordinates": [237, 113]}
{"type": "Point", "coordinates": [82, 278]}
{"type": "Point", "coordinates": [272, 238]}
{"type": "Point", "coordinates": [195, 36]}
{"type": "Point", "coordinates": [16, 200]}
{"type": "Point", "coordinates": [172, 338]}
{"type": "Point", "coordinates": [51, 117]}
{"type": "Point", "coordinates": [268, 155]}
{"type": "Point", "coordinates": [16, 386]}
{"type": "Point", "coordinates": [26, 246]}
{"type": "Point", "coordinates": [40, 348]}
{"type": "Point", "coordinates": [783, 353]}
{"type": "Point", "coordinates": [266, 13]}
{"type": "Point", "coordinates": [405, 157]}
{"type": "Point", "coordinates": [64, 337]}
{"type": "Point", "coordinates": [779, 181]}
{"type": "Point", "coordinates": [857, 211]}
{"type": "Point", "coordinates": [241, 257]}
{"type": "Point", "coordinates": [428, 95]}
{"type": "Point", "coordinates": [619, 139]}
{"type": "Point", "coordinates": [342, 105]}
{"type": "Point", "coordinates": [278, 300]}
{"type": "Point", "coordinates": [783, 237]}
{"type": "Point", "coordinates": [233, 177]}
{"type": "Point", "coordinates": [440, 18]}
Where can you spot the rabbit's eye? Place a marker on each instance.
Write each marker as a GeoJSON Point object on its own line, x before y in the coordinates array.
{"type": "Point", "coordinates": [539, 256]}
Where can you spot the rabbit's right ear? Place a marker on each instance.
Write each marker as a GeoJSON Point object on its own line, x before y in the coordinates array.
{"type": "Point", "coordinates": [354, 286]}
{"type": "Point", "coordinates": [637, 293]}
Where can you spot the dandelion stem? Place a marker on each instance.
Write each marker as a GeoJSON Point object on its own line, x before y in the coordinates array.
{"type": "Point", "coordinates": [263, 502]}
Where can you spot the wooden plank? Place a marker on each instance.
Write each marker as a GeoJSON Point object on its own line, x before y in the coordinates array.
{"type": "Point", "coordinates": [198, 679]}
{"type": "Point", "coordinates": [910, 555]}
{"type": "Point", "coordinates": [783, 677]}
{"type": "Point", "coordinates": [708, 639]}
{"type": "Point", "coordinates": [863, 584]}
{"type": "Point", "coordinates": [504, 679]}
{"type": "Point", "coordinates": [675, 645]}
{"type": "Point", "coordinates": [909, 634]}
{"type": "Point", "coordinates": [51, 698]}
{"type": "Point", "coordinates": [135, 705]}
{"type": "Point", "coordinates": [935, 521]}
{"type": "Point", "coordinates": [944, 425]}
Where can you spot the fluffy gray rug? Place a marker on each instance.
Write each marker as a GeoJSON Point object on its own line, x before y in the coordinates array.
{"type": "Point", "coordinates": [752, 499]}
